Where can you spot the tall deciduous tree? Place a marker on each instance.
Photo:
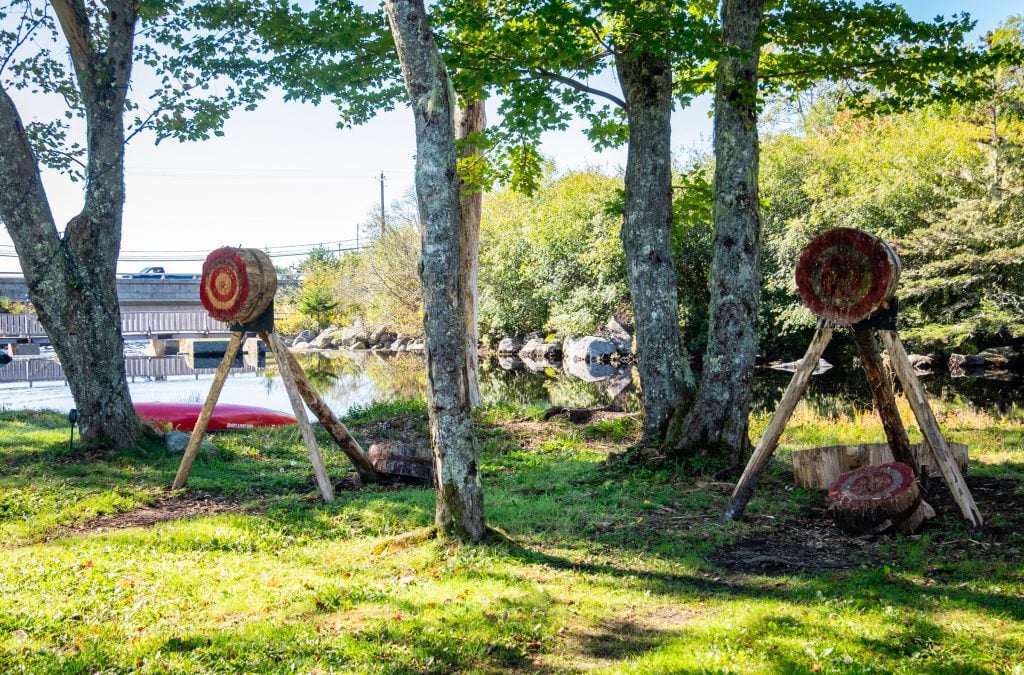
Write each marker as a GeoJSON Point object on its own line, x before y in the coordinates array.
{"type": "Point", "coordinates": [718, 417]}
{"type": "Point", "coordinates": [71, 275]}
{"type": "Point", "coordinates": [459, 511]}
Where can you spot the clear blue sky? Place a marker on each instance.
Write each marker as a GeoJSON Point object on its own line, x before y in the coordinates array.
{"type": "Point", "coordinates": [284, 175]}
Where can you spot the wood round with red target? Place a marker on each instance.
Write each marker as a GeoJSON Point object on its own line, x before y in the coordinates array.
{"type": "Point", "coordinates": [238, 284]}
{"type": "Point", "coordinates": [877, 497]}
{"type": "Point", "coordinates": [844, 275]}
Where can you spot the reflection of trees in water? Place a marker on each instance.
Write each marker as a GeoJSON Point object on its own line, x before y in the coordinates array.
{"type": "Point", "coordinates": [511, 386]}
{"type": "Point", "coordinates": [398, 376]}
{"type": "Point", "coordinates": [844, 392]}
{"type": "Point", "coordinates": [839, 393]}
{"type": "Point", "coordinates": [337, 375]}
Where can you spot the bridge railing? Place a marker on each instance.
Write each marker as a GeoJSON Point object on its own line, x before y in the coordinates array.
{"type": "Point", "coordinates": [133, 324]}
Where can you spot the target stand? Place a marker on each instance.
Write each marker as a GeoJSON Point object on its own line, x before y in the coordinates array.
{"type": "Point", "coordinates": [238, 287]}
{"type": "Point", "coordinates": [848, 278]}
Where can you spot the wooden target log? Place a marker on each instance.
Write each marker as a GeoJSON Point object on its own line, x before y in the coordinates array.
{"type": "Point", "coordinates": [238, 284]}
{"type": "Point", "coordinates": [844, 275]}
{"type": "Point", "coordinates": [877, 498]}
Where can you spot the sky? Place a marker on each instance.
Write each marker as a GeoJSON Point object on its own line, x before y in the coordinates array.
{"type": "Point", "coordinates": [285, 176]}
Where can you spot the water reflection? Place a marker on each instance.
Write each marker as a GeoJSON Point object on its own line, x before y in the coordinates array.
{"type": "Point", "coordinates": [345, 379]}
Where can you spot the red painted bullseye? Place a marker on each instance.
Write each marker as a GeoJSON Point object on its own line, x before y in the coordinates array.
{"type": "Point", "coordinates": [225, 285]}
{"type": "Point", "coordinates": [844, 275]}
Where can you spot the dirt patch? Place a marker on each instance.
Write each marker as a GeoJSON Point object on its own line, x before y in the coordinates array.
{"type": "Point", "coordinates": [172, 508]}
{"type": "Point", "coordinates": [810, 542]}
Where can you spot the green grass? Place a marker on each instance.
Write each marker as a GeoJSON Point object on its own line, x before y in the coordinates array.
{"type": "Point", "coordinates": [597, 569]}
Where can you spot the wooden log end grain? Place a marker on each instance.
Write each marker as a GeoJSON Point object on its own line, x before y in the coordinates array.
{"type": "Point", "coordinates": [878, 498]}
{"type": "Point", "coordinates": [237, 284]}
{"type": "Point", "coordinates": [844, 275]}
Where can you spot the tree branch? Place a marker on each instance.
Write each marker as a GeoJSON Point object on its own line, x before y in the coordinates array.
{"type": "Point", "coordinates": [74, 22]}
{"type": "Point", "coordinates": [577, 85]}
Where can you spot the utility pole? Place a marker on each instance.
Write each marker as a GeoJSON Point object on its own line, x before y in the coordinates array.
{"type": "Point", "coordinates": [383, 223]}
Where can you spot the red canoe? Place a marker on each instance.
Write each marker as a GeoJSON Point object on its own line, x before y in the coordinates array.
{"type": "Point", "coordinates": [183, 416]}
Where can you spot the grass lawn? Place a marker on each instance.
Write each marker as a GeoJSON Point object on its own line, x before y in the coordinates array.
{"type": "Point", "coordinates": [103, 570]}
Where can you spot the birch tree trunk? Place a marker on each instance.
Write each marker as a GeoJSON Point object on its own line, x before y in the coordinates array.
{"type": "Point", "coordinates": [665, 376]}
{"type": "Point", "coordinates": [72, 279]}
{"type": "Point", "coordinates": [717, 421]}
{"type": "Point", "coordinates": [459, 511]}
{"type": "Point", "coordinates": [471, 119]}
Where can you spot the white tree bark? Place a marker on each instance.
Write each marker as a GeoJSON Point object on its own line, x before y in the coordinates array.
{"type": "Point", "coordinates": [459, 509]}
{"type": "Point", "coordinates": [471, 118]}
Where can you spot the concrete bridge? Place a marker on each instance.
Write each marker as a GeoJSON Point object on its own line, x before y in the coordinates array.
{"type": "Point", "coordinates": [155, 367]}
{"type": "Point", "coordinates": [172, 295]}
{"type": "Point", "coordinates": [16, 328]}
{"type": "Point", "coordinates": [142, 295]}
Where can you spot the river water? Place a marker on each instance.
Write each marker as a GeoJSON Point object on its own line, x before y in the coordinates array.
{"type": "Point", "coordinates": [349, 379]}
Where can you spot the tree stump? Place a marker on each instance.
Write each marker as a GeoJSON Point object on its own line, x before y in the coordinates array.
{"type": "Point", "coordinates": [401, 462]}
{"type": "Point", "coordinates": [878, 498]}
{"type": "Point", "coordinates": [238, 284]}
{"type": "Point", "coordinates": [819, 467]}
{"type": "Point", "coordinates": [844, 275]}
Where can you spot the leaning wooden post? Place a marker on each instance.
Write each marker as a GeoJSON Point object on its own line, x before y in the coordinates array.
{"type": "Point", "coordinates": [770, 438]}
{"type": "Point", "coordinates": [330, 422]}
{"type": "Point", "coordinates": [323, 481]}
{"type": "Point", "coordinates": [885, 400]}
{"type": "Point", "coordinates": [930, 430]}
{"type": "Point", "coordinates": [192, 449]}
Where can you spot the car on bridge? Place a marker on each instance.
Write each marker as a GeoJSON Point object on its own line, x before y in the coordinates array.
{"type": "Point", "coordinates": [157, 272]}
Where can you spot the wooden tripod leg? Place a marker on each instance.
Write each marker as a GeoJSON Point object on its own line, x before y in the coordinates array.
{"type": "Point", "coordinates": [323, 481]}
{"type": "Point", "coordinates": [885, 400]}
{"type": "Point", "coordinates": [930, 430]}
{"type": "Point", "coordinates": [770, 439]}
{"type": "Point", "coordinates": [327, 418]}
{"type": "Point", "coordinates": [192, 449]}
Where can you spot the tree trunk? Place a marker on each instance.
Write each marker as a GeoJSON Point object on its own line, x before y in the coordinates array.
{"type": "Point", "coordinates": [72, 280]}
{"type": "Point", "coordinates": [717, 421]}
{"type": "Point", "coordinates": [665, 375]}
{"type": "Point", "coordinates": [459, 511]}
{"type": "Point", "coordinates": [471, 119]}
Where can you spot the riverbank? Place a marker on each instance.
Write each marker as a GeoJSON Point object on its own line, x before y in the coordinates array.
{"type": "Point", "coordinates": [103, 569]}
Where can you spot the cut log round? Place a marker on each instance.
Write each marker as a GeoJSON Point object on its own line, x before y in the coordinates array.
{"type": "Point", "coordinates": [844, 275]}
{"type": "Point", "coordinates": [818, 467]}
{"type": "Point", "coordinates": [877, 498]}
{"type": "Point", "coordinates": [238, 284]}
{"type": "Point", "coordinates": [400, 461]}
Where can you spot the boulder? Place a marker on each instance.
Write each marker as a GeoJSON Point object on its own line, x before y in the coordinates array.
{"type": "Point", "coordinates": [589, 349]}
{"type": "Point", "coordinates": [380, 336]}
{"type": "Point", "coordinates": [416, 346]}
{"type": "Point", "coordinates": [300, 345]}
{"type": "Point", "coordinates": [588, 371]}
{"type": "Point", "coordinates": [510, 346]}
{"type": "Point", "coordinates": [358, 345]}
{"type": "Point", "coordinates": [922, 363]}
{"type": "Point", "coordinates": [539, 350]}
{"type": "Point", "coordinates": [305, 336]}
{"type": "Point", "coordinates": [997, 358]}
{"type": "Point", "coordinates": [619, 336]}
{"type": "Point", "coordinates": [177, 441]}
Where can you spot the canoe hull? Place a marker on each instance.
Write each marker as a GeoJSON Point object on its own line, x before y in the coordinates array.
{"type": "Point", "coordinates": [183, 416]}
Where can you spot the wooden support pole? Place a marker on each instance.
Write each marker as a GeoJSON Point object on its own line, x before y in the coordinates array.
{"type": "Point", "coordinates": [930, 430]}
{"type": "Point", "coordinates": [192, 449]}
{"type": "Point", "coordinates": [323, 481]}
{"type": "Point", "coordinates": [885, 400]}
{"type": "Point", "coordinates": [327, 418]}
{"type": "Point", "coordinates": [770, 439]}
